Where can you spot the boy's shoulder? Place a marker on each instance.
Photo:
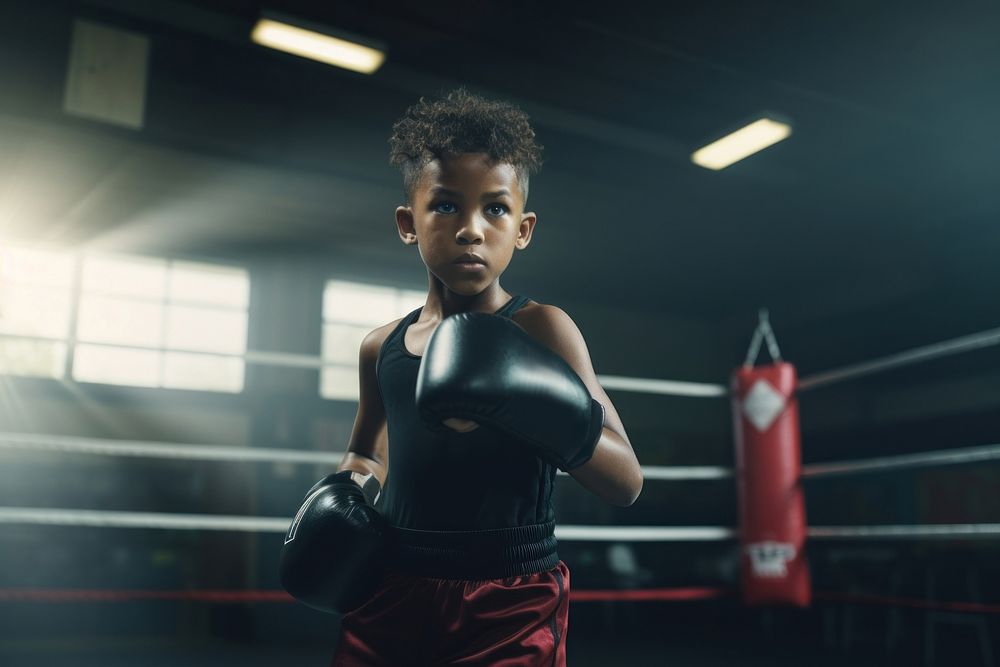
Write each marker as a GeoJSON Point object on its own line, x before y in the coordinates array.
{"type": "Point", "coordinates": [546, 322]}
{"type": "Point", "coordinates": [372, 343]}
{"type": "Point", "coordinates": [551, 326]}
{"type": "Point", "coordinates": [535, 311]}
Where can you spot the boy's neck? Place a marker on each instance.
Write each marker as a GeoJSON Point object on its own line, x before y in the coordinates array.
{"type": "Point", "coordinates": [442, 302]}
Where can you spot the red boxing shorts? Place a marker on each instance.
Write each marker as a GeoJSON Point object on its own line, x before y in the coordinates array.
{"type": "Point", "coordinates": [514, 622]}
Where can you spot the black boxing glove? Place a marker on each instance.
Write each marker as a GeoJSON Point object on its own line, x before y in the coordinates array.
{"type": "Point", "coordinates": [333, 557]}
{"type": "Point", "coordinates": [488, 369]}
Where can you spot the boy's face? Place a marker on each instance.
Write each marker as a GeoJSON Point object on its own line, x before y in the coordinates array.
{"type": "Point", "coordinates": [466, 216]}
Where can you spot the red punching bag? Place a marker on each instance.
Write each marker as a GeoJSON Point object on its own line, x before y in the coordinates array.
{"type": "Point", "coordinates": [773, 566]}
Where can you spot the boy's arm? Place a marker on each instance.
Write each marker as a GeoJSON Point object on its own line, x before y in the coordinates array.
{"type": "Point", "coordinates": [613, 472]}
{"type": "Point", "coordinates": [332, 556]}
{"type": "Point", "coordinates": [368, 448]}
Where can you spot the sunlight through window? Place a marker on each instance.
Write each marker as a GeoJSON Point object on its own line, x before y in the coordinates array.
{"type": "Point", "coordinates": [350, 311]}
{"type": "Point", "coordinates": [153, 323]}
{"type": "Point", "coordinates": [35, 309]}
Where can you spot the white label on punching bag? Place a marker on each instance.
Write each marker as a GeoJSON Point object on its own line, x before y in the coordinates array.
{"type": "Point", "coordinates": [769, 560]}
{"type": "Point", "coordinates": [762, 405]}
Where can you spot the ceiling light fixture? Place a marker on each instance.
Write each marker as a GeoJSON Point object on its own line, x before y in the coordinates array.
{"type": "Point", "coordinates": [742, 143]}
{"type": "Point", "coordinates": [321, 46]}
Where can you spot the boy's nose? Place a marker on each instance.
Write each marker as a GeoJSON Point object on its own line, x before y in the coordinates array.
{"type": "Point", "coordinates": [470, 233]}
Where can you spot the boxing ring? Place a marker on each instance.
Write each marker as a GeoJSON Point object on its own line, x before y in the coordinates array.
{"type": "Point", "coordinates": [66, 517]}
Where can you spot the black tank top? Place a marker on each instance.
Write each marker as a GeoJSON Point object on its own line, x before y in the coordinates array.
{"type": "Point", "coordinates": [450, 481]}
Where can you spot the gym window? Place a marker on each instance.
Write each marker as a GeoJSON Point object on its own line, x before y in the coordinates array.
{"type": "Point", "coordinates": [36, 294]}
{"type": "Point", "coordinates": [124, 320]}
{"type": "Point", "coordinates": [155, 323]}
{"type": "Point", "coordinates": [350, 311]}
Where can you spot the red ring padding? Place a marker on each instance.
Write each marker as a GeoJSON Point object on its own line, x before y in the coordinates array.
{"type": "Point", "coordinates": [99, 595]}
{"type": "Point", "coordinates": [632, 595]}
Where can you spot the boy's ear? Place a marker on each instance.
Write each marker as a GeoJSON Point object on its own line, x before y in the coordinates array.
{"type": "Point", "coordinates": [404, 223]}
{"type": "Point", "coordinates": [524, 231]}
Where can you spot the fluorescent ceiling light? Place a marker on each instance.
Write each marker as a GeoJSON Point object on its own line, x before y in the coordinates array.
{"type": "Point", "coordinates": [740, 144]}
{"type": "Point", "coordinates": [317, 46]}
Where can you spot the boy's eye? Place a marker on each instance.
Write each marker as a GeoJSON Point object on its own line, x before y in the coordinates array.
{"type": "Point", "coordinates": [445, 207]}
{"type": "Point", "coordinates": [496, 209]}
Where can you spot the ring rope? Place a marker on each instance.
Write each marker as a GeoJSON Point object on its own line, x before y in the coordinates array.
{"type": "Point", "coordinates": [314, 362]}
{"type": "Point", "coordinates": [165, 521]}
{"type": "Point", "coordinates": [159, 520]}
{"type": "Point", "coordinates": [946, 348]}
{"type": "Point", "coordinates": [141, 448]}
{"type": "Point", "coordinates": [915, 531]}
{"type": "Point", "coordinates": [918, 460]}
{"type": "Point", "coordinates": [167, 450]}
{"type": "Point", "coordinates": [163, 450]}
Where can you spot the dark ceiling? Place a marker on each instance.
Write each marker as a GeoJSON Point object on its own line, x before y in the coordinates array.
{"type": "Point", "coordinates": [880, 214]}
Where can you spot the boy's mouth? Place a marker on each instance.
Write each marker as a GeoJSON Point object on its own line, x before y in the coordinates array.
{"type": "Point", "coordinates": [470, 260]}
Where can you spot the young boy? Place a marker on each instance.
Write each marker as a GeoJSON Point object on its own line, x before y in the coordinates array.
{"type": "Point", "coordinates": [451, 559]}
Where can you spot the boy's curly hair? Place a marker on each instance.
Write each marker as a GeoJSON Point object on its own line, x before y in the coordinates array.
{"type": "Point", "coordinates": [462, 122]}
